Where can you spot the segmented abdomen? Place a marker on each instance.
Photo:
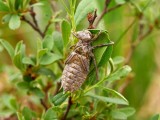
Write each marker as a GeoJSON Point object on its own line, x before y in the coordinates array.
{"type": "Point", "coordinates": [75, 73]}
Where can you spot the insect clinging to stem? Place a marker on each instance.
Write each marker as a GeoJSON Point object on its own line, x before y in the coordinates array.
{"type": "Point", "coordinates": [78, 62]}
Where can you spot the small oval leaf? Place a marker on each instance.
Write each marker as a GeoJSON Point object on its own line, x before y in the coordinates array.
{"type": "Point", "coordinates": [50, 115]}
{"type": "Point", "coordinates": [59, 98]}
{"type": "Point", "coordinates": [6, 18]}
{"type": "Point", "coordinates": [49, 58]}
{"type": "Point", "coordinates": [66, 31]}
{"type": "Point", "coordinates": [48, 42]}
{"type": "Point", "coordinates": [108, 99]}
{"type": "Point", "coordinates": [120, 73]}
{"type": "Point", "coordinates": [8, 47]}
{"type": "Point", "coordinates": [14, 22]}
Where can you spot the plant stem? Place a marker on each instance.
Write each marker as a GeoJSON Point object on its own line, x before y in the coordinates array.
{"type": "Point", "coordinates": [72, 9]}
{"type": "Point", "coordinates": [44, 104]}
{"type": "Point", "coordinates": [33, 26]}
{"type": "Point", "coordinates": [33, 15]}
{"type": "Point", "coordinates": [136, 43]}
{"type": "Point", "coordinates": [107, 2]}
{"type": "Point", "coordinates": [68, 108]}
{"type": "Point", "coordinates": [106, 10]}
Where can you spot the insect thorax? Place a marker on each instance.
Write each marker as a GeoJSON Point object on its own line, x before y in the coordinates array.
{"type": "Point", "coordinates": [83, 48]}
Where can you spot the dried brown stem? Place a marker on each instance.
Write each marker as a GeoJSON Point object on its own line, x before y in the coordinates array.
{"type": "Point", "coordinates": [137, 42]}
{"type": "Point", "coordinates": [33, 26]}
{"type": "Point", "coordinates": [33, 15]}
{"type": "Point", "coordinates": [91, 19]}
{"type": "Point", "coordinates": [105, 10]}
{"type": "Point", "coordinates": [47, 26]}
{"type": "Point", "coordinates": [126, 83]}
{"type": "Point", "coordinates": [113, 8]}
{"type": "Point", "coordinates": [58, 86]}
{"type": "Point", "coordinates": [68, 108]}
{"type": "Point", "coordinates": [44, 104]}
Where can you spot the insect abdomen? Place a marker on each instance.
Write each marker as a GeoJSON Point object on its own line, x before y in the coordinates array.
{"type": "Point", "coordinates": [74, 74]}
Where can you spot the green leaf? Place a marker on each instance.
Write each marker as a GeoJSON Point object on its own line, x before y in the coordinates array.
{"type": "Point", "coordinates": [14, 22]}
{"type": "Point", "coordinates": [66, 31]}
{"type": "Point", "coordinates": [118, 115]}
{"type": "Point", "coordinates": [105, 57]}
{"type": "Point", "coordinates": [28, 114]}
{"type": "Point", "coordinates": [27, 78]}
{"type": "Point", "coordinates": [118, 60]}
{"type": "Point", "coordinates": [114, 92]}
{"type": "Point", "coordinates": [37, 92]}
{"type": "Point", "coordinates": [50, 115]}
{"type": "Point", "coordinates": [102, 54]}
{"type": "Point", "coordinates": [120, 1]}
{"type": "Point", "coordinates": [120, 73]}
{"type": "Point", "coordinates": [20, 47]}
{"type": "Point", "coordinates": [40, 53]}
{"type": "Point", "coordinates": [3, 7]}
{"type": "Point", "coordinates": [39, 45]}
{"type": "Point", "coordinates": [108, 99]}
{"type": "Point", "coordinates": [46, 71]}
{"type": "Point", "coordinates": [8, 47]}
{"type": "Point", "coordinates": [23, 85]}
{"type": "Point", "coordinates": [156, 117]}
{"type": "Point", "coordinates": [49, 58]}
{"type": "Point", "coordinates": [48, 42]}
{"type": "Point", "coordinates": [59, 98]}
{"type": "Point", "coordinates": [58, 43]}
{"type": "Point", "coordinates": [84, 7]}
{"type": "Point", "coordinates": [20, 116]}
{"type": "Point", "coordinates": [6, 18]}
{"type": "Point", "coordinates": [10, 102]}
{"type": "Point", "coordinates": [37, 4]}
{"type": "Point", "coordinates": [18, 4]}
{"type": "Point", "coordinates": [11, 4]}
{"type": "Point", "coordinates": [17, 60]}
{"type": "Point", "coordinates": [14, 104]}
{"type": "Point", "coordinates": [25, 3]}
{"type": "Point", "coordinates": [96, 31]}
{"type": "Point", "coordinates": [128, 111]}
{"type": "Point", "coordinates": [19, 54]}
{"type": "Point", "coordinates": [28, 61]}
{"type": "Point", "coordinates": [100, 106]}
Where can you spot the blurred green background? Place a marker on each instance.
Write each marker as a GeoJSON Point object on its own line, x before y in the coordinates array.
{"type": "Point", "coordinates": [142, 89]}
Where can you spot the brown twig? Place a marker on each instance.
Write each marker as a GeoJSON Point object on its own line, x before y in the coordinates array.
{"type": "Point", "coordinates": [91, 19]}
{"type": "Point", "coordinates": [44, 104]}
{"type": "Point", "coordinates": [33, 26]}
{"type": "Point", "coordinates": [126, 83]}
{"type": "Point", "coordinates": [58, 86]}
{"type": "Point", "coordinates": [33, 15]}
{"type": "Point", "coordinates": [107, 2]}
{"type": "Point", "coordinates": [106, 10]}
{"type": "Point", "coordinates": [113, 8]}
{"type": "Point", "coordinates": [46, 28]}
{"type": "Point", "coordinates": [68, 108]}
{"type": "Point", "coordinates": [141, 37]}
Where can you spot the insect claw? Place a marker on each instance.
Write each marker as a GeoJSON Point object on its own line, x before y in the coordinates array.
{"type": "Point", "coordinates": [74, 33]}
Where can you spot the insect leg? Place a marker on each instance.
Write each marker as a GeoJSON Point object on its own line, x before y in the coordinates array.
{"type": "Point", "coordinates": [95, 64]}
{"type": "Point", "coordinates": [96, 36]}
{"type": "Point", "coordinates": [84, 64]}
{"type": "Point", "coordinates": [72, 47]}
{"type": "Point", "coordinates": [102, 45]}
{"type": "Point", "coordinates": [70, 58]}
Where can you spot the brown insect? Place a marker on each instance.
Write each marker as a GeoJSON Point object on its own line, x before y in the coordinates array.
{"type": "Point", "coordinates": [77, 64]}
